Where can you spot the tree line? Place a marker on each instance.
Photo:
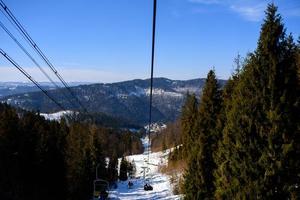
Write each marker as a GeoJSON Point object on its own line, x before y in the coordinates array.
{"type": "Point", "coordinates": [242, 141]}
{"type": "Point", "coordinates": [167, 138]}
{"type": "Point", "coordinates": [41, 159]}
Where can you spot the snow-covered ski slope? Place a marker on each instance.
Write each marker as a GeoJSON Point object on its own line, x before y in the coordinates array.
{"type": "Point", "coordinates": [162, 188]}
{"type": "Point", "coordinates": [56, 116]}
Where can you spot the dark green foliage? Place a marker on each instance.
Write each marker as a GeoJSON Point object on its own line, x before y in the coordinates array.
{"type": "Point", "coordinates": [298, 60]}
{"type": "Point", "coordinates": [127, 101]}
{"type": "Point", "coordinates": [164, 145]}
{"type": "Point", "coordinates": [123, 170]}
{"type": "Point", "coordinates": [126, 169]}
{"type": "Point", "coordinates": [189, 117]}
{"type": "Point", "coordinates": [199, 175]}
{"type": "Point", "coordinates": [103, 120]}
{"type": "Point", "coordinates": [42, 159]}
{"type": "Point", "coordinates": [131, 169]}
{"type": "Point", "coordinates": [80, 161]}
{"type": "Point", "coordinates": [258, 155]}
{"type": "Point", "coordinates": [220, 153]}
{"type": "Point", "coordinates": [167, 138]}
{"type": "Point", "coordinates": [176, 154]}
{"type": "Point", "coordinates": [112, 169]}
{"type": "Point", "coordinates": [250, 140]}
{"type": "Point", "coordinates": [31, 163]}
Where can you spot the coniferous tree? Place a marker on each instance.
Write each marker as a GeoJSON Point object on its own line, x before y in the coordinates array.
{"type": "Point", "coordinates": [260, 138]}
{"type": "Point", "coordinates": [188, 122]}
{"type": "Point", "coordinates": [10, 183]}
{"type": "Point", "coordinates": [123, 170]}
{"type": "Point", "coordinates": [164, 145]}
{"type": "Point", "coordinates": [220, 154]}
{"type": "Point", "coordinates": [113, 168]}
{"type": "Point", "coordinates": [298, 59]}
{"type": "Point", "coordinates": [52, 160]}
{"type": "Point", "coordinates": [199, 175]}
{"type": "Point", "coordinates": [131, 169]}
{"type": "Point", "coordinates": [31, 160]}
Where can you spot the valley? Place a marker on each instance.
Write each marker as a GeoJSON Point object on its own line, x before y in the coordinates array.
{"type": "Point", "coordinates": [128, 100]}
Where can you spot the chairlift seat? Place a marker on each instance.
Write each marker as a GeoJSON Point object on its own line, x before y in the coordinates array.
{"type": "Point", "coordinates": [101, 189]}
{"type": "Point", "coordinates": [148, 187]}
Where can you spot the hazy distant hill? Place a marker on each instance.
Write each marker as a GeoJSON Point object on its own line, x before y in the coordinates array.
{"type": "Point", "coordinates": [11, 88]}
{"type": "Point", "coordinates": [128, 99]}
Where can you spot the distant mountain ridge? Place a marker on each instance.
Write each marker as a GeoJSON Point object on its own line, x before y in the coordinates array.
{"type": "Point", "coordinates": [127, 99]}
{"type": "Point", "coordinates": [11, 88]}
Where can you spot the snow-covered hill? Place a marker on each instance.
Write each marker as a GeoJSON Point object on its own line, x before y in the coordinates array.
{"type": "Point", "coordinates": [56, 116]}
{"type": "Point", "coordinates": [12, 88]}
{"type": "Point", "coordinates": [162, 188]}
{"type": "Point", "coordinates": [128, 100]}
{"type": "Point", "coordinates": [156, 127]}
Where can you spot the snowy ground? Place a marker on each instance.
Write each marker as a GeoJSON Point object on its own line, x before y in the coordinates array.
{"type": "Point", "coordinates": [162, 188]}
{"type": "Point", "coordinates": [56, 116]}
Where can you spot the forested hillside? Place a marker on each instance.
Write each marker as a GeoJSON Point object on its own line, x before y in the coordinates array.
{"type": "Point", "coordinates": [157, 138]}
{"type": "Point", "coordinates": [52, 160]}
{"type": "Point", "coordinates": [126, 100]}
{"type": "Point", "coordinates": [243, 141]}
{"type": "Point", "coordinates": [167, 138]}
{"type": "Point", "coordinates": [12, 88]}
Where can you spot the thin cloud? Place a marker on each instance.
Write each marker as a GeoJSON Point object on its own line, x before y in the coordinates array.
{"type": "Point", "coordinates": [251, 13]}
{"type": "Point", "coordinates": [208, 2]}
{"type": "Point", "coordinates": [294, 12]}
{"type": "Point", "coordinates": [250, 10]}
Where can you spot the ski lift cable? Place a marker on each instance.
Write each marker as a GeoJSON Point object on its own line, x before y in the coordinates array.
{"type": "Point", "coordinates": [27, 53]}
{"type": "Point", "coordinates": [151, 79]}
{"type": "Point", "coordinates": [33, 60]}
{"type": "Point", "coordinates": [30, 78]}
{"type": "Point", "coordinates": [31, 42]}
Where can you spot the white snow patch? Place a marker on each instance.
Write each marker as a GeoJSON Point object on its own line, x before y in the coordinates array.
{"type": "Point", "coordinates": [12, 88]}
{"type": "Point", "coordinates": [87, 98]}
{"type": "Point", "coordinates": [161, 92]}
{"type": "Point", "coordinates": [122, 96]}
{"type": "Point", "coordinates": [156, 127]}
{"type": "Point", "coordinates": [138, 92]}
{"type": "Point", "coordinates": [56, 116]}
{"type": "Point", "coordinates": [187, 89]}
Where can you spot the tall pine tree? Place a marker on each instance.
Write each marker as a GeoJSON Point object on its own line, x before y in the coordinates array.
{"type": "Point", "coordinates": [261, 138]}
{"type": "Point", "coordinates": [219, 154]}
{"type": "Point", "coordinates": [188, 121]}
{"type": "Point", "coordinates": [123, 169]}
{"type": "Point", "coordinates": [199, 175]}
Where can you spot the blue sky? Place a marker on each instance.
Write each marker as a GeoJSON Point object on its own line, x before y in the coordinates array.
{"type": "Point", "coordinates": [110, 40]}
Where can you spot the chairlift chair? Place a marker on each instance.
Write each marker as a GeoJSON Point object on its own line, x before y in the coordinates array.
{"type": "Point", "coordinates": [101, 189]}
{"type": "Point", "coordinates": [148, 187]}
